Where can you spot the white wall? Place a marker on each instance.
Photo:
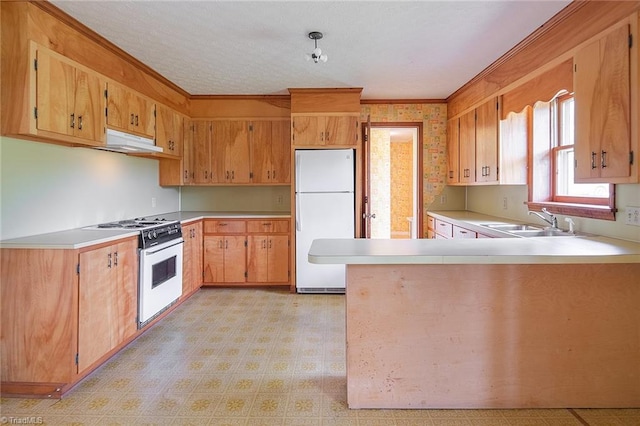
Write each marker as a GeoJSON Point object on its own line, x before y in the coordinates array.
{"type": "Point", "coordinates": [47, 188]}
{"type": "Point", "coordinates": [489, 200]}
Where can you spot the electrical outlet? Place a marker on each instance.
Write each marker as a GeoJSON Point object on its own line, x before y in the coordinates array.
{"type": "Point", "coordinates": [443, 199]}
{"type": "Point", "coordinates": [504, 203]}
{"type": "Point", "coordinates": [153, 201]}
{"type": "Point", "coordinates": [632, 216]}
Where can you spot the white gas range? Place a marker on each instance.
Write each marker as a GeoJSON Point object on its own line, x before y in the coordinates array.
{"type": "Point", "coordinates": [160, 247]}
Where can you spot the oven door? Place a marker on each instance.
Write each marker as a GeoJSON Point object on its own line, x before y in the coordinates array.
{"type": "Point", "coordinates": [160, 283]}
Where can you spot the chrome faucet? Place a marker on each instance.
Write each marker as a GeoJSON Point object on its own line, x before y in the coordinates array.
{"type": "Point", "coordinates": [547, 217]}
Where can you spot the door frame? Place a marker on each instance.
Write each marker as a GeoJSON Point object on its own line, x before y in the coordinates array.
{"type": "Point", "coordinates": [366, 126]}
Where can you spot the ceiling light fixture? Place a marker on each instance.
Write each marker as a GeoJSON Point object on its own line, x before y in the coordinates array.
{"type": "Point", "coordinates": [317, 54]}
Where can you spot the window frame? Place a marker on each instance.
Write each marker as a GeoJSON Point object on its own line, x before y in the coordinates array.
{"type": "Point", "coordinates": [543, 139]}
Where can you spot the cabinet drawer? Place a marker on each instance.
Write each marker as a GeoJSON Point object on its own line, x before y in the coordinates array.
{"type": "Point", "coordinates": [225, 226]}
{"type": "Point", "coordinates": [431, 222]}
{"type": "Point", "coordinates": [459, 232]}
{"type": "Point", "coordinates": [268, 226]}
{"type": "Point", "coordinates": [444, 228]}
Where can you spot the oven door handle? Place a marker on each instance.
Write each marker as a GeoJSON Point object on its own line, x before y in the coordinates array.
{"type": "Point", "coordinates": [150, 251]}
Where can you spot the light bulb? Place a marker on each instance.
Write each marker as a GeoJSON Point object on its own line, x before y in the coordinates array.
{"type": "Point", "coordinates": [317, 51]}
{"type": "Point", "coordinates": [323, 58]}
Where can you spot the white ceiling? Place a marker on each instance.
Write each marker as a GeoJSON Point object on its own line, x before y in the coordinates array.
{"type": "Point", "coordinates": [393, 49]}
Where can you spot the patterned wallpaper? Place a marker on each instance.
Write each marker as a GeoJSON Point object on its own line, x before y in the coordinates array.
{"type": "Point", "coordinates": [401, 188]}
{"type": "Point", "coordinates": [434, 128]}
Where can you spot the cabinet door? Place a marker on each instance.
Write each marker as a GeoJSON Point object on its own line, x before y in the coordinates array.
{"type": "Point", "coordinates": [119, 115]}
{"type": "Point", "coordinates": [192, 258]}
{"type": "Point", "coordinates": [341, 130]}
{"type": "Point", "coordinates": [88, 101]}
{"type": "Point", "coordinates": [602, 111]}
{"type": "Point", "coordinates": [307, 130]}
{"type": "Point", "coordinates": [213, 259]}
{"type": "Point", "coordinates": [55, 82]}
{"type": "Point", "coordinates": [201, 149]}
{"type": "Point", "coordinates": [188, 155]}
{"type": "Point", "coordinates": [487, 142]}
{"type": "Point", "coordinates": [235, 259]}
{"type": "Point", "coordinates": [143, 110]}
{"type": "Point", "coordinates": [281, 151]}
{"type": "Point", "coordinates": [96, 310]}
{"type": "Point", "coordinates": [261, 148]}
{"type": "Point", "coordinates": [453, 153]}
{"type": "Point", "coordinates": [230, 140]}
{"type": "Point", "coordinates": [468, 147]}
{"type": "Point", "coordinates": [178, 134]}
{"type": "Point", "coordinates": [257, 259]}
{"type": "Point", "coordinates": [125, 266]}
{"type": "Point", "coordinates": [278, 259]}
{"type": "Point", "coordinates": [166, 130]}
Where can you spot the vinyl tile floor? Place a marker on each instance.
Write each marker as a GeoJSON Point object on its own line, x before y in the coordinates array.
{"type": "Point", "coordinates": [250, 357]}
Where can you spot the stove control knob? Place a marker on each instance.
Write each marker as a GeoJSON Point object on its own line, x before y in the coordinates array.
{"type": "Point", "coordinates": [155, 235]}
{"type": "Point", "coordinates": [149, 236]}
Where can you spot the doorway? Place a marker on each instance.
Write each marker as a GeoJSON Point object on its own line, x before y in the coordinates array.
{"type": "Point", "coordinates": [393, 193]}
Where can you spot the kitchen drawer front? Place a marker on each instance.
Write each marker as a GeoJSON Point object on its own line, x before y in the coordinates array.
{"type": "Point", "coordinates": [444, 228]}
{"type": "Point", "coordinates": [431, 222]}
{"type": "Point", "coordinates": [459, 232]}
{"type": "Point", "coordinates": [268, 226]}
{"type": "Point", "coordinates": [225, 226]}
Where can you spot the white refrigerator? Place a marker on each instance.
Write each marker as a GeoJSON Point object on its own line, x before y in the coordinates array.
{"type": "Point", "coordinates": [324, 208]}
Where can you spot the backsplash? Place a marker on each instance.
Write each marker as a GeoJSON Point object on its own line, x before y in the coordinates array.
{"type": "Point", "coordinates": [236, 198]}
{"type": "Point", "coordinates": [490, 200]}
{"type": "Point", "coordinates": [48, 188]}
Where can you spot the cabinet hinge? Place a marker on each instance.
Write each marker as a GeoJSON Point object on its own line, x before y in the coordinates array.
{"type": "Point", "coordinates": [35, 64]}
{"type": "Point", "coordinates": [630, 41]}
{"type": "Point", "coordinates": [106, 112]}
{"type": "Point", "coordinates": [245, 243]}
{"type": "Point", "coordinates": [631, 157]}
{"type": "Point", "coordinates": [78, 269]}
{"type": "Point", "coordinates": [250, 175]}
{"type": "Point", "coordinates": [77, 359]}
{"type": "Point", "coordinates": [245, 274]}
{"type": "Point", "coordinates": [106, 93]}
{"type": "Point", "coordinates": [575, 68]}
{"type": "Point", "coordinates": [251, 127]}
{"type": "Point", "coordinates": [35, 112]}
{"type": "Point", "coordinates": [365, 138]}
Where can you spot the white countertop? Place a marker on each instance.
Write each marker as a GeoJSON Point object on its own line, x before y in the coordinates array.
{"type": "Point", "coordinates": [533, 250]}
{"type": "Point", "coordinates": [80, 238]}
{"type": "Point", "coordinates": [507, 249]}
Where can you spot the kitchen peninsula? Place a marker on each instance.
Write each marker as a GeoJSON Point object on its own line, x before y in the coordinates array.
{"type": "Point", "coordinates": [490, 323]}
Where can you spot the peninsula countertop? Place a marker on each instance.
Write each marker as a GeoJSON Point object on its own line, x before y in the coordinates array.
{"type": "Point", "coordinates": [79, 237]}
{"type": "Point", "coordinates": [534, 250]}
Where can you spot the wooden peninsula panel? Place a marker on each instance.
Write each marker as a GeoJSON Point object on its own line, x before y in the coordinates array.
{"type": "Point", "coordinates": [493, 336]}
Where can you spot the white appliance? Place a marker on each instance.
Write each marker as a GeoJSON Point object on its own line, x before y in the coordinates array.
{"type": "Point", "coordinates": [325, 208]}
{"type": "Point", "coordinates": [124, 142]}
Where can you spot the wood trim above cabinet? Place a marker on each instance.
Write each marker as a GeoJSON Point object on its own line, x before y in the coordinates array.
{"type": "Point", "coordinates": [325, 100]}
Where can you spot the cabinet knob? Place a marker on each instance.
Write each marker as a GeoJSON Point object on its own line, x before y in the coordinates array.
{"type": "Point", "coordinates": [79, 122]}
{"type": "Point", "coordinates": [132, 118]}
{"type": "Point", "coordinates": [603, 159]}
{"type": "Point", "coordinates": [73, 121]}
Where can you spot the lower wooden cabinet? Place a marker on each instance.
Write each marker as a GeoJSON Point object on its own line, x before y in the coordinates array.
{"type": "Point", "coordinates": [441, 229]}
{"type": "Point", "coordinates": [246, 252]}
{"type": "Point", "coordinates": [64, 312]}
{"type": "Point", "coordinates": [108, 295]}
{"type": "Point", "coordinates": [191, 258]}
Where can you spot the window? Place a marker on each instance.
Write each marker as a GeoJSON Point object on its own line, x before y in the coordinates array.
{"type": "Point", "coordinates": [552, 164]}
{"type": "Point", "coordinates": [564, 188]}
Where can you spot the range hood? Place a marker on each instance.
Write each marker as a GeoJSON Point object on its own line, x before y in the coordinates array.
{"type": "Point", "coordinates": [128, 143]}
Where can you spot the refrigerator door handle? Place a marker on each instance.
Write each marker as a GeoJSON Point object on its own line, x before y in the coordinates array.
{"type": "Point", "coordinates": [298, 214]}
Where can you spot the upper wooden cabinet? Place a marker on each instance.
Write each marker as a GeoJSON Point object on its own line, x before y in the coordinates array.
{"type": "Point", "coordinates": [230, 141]}
{"type": "Point", "coordinates": [325, 117]}
{"type": "Point", "coordinates": [472, 142]}
{"type": "Point", "coordinates": [271, 151]}
{"type": "Point", "coordinates": [221, 152]}
{"type": "Point", "coordinates": [323, 130]}
{"type": "Point", "coordinates": [169, 131]}
{"type": "Point", "coordinates": [602, 88]}
{"type": "Point", "coordinates": [487, 142]}
{"type": "Point", "coordinates": [65, 102]}
{"type": "Point", "coordinates": [68, 100]}
{"type": "Point", "coordinates": [129, 111]}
